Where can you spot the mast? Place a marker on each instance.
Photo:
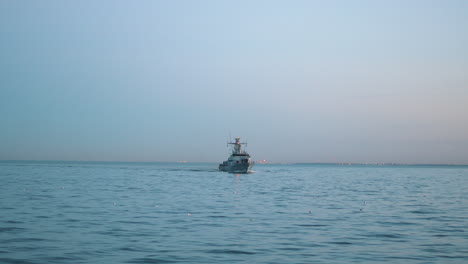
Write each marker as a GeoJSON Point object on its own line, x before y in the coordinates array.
{"type": "Point", "coordinates": [237, 149]}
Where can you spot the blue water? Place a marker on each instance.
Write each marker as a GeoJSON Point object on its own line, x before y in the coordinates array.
{"type": "Point", "coordinates": [72, 212]}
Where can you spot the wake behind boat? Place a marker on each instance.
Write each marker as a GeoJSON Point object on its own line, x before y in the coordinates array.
{"type": "Point", "coordinates": [239, 161]}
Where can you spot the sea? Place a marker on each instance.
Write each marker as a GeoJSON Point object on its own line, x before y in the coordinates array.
{"type": "Point", "coordinates": [104, 212]}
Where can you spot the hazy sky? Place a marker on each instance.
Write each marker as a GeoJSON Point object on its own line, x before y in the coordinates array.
{"type": "Point", "coordinates": [301, 81]}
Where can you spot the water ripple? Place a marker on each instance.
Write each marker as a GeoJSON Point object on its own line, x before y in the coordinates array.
{"type": "Point", "coordinates": [191, 213]}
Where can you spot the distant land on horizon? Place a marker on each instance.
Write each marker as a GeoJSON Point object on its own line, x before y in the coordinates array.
{"type": "Point", "coordinates": [256, 163]}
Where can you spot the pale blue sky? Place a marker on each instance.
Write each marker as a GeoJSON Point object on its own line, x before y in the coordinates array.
{"type": "Point", "coordinates": [302, 81]}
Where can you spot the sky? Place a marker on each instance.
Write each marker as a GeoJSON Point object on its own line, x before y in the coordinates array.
{"type": "Point", "coordinates": [300, 81]}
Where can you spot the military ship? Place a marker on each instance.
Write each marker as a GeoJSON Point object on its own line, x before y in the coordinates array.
{"type": "Point", "coordinates": [239, 161]}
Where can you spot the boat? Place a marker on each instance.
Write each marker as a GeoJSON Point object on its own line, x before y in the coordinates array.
{"type": "Point", "coordinates": [239, 161]}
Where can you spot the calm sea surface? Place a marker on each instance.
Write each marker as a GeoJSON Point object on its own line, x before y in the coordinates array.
{"type": "Point", "coordinates": [72, 212]}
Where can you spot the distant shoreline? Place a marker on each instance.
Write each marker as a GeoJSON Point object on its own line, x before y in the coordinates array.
{"type": "Point", "coordinates": [257, 163]}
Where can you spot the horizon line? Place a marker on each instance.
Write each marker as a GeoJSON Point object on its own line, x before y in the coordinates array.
{"type": "Point", "coordinates": [257, 163]}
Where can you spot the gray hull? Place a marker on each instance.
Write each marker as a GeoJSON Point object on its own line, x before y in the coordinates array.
{"type": "Point", "coordinates": [236, 168]}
